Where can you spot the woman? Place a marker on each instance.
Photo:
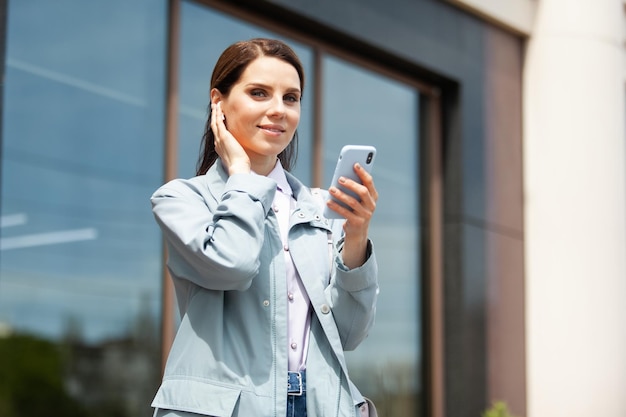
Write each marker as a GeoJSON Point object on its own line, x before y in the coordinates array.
{"type": "Point", "coordinates": [270, 293]}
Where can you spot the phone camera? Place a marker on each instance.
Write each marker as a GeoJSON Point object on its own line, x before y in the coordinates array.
{"type": "Point", "coordinates": [369, 157]}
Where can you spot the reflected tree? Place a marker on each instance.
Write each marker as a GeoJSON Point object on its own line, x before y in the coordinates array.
{"type": "Point", "coordinates": [31, 379]}
{"type": "Point", "coordinates": [116, 377]}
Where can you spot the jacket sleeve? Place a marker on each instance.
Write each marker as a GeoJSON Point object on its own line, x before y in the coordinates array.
{"type": "Point", "coordinates": [215, 244]}
{"type": "Point", "coordinates": [353, 294]}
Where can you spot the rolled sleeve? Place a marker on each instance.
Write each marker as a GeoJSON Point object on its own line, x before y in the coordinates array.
{"type": "Point", "coordinates": [354, 293]}
{"type": "Point", "coordinates": [360, 278]}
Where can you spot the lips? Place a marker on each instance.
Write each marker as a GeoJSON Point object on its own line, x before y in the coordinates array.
{"type": "Point", "coordinates": [273, 128]}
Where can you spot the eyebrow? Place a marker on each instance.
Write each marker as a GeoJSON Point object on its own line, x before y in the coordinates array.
{"type": "Point", "coordinates": [261, 85]}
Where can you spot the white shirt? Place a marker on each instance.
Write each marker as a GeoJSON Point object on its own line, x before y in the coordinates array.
{"type": "Point", "coordinates": [298, 310]}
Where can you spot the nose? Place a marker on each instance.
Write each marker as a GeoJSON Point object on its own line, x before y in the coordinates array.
{"type": "Point", "coordinates": [277, 107]}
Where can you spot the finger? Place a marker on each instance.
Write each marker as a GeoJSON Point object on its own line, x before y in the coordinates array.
{"type": "Point", "coordinates": [364, 188]}
{"type": "Point", "coordinates": [367, 180]}
{"type": "Point", "coordinates": [215, 119]}
{"type": "Point", "coordinates": [356, 217]}
{"type": "Point", "coordinates": [366, 196]}
{"type": "Point", "coordinates": [340, 209]}
{"type": "Point", "coordinates": [217, 129]}
{"type": "Point", "coordinates": [219, 117]}
{"type": "Point", "coordinates": [341, 196]}
{"type": "Point", "coordinates": [360, 204]}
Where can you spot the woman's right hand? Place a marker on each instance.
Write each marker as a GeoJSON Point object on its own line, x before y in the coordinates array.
{"type": "Point", "coordinates": [232, 154]}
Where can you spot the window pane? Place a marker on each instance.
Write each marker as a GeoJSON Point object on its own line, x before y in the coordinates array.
{"type": "Point", "coordinates": [82, 151]}
{"type": "Point", "coordinates": [205, 34]}
{"type": "Point", "coordinates": [364, 108]}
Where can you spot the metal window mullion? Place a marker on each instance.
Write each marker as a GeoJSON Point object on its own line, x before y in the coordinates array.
{"type": "Point", "coordinates": [170, 166]}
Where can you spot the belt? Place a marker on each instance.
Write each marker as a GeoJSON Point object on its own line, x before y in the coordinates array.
{"type": "Point", "coordinates": [296, 383]}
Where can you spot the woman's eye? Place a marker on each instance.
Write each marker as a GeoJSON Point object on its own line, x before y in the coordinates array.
{"type": "Point", "coordinates": [257, 93]}
{"type": "Point", "coordinates": [291, 98]}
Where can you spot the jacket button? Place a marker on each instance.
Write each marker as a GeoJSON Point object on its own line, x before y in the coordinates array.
{"type": "Point", "coordinates": [266, 303]}
{"type": "Point", "coordinates": [301, 215]}
{"type": "Point", "coordinates": [325, 309]}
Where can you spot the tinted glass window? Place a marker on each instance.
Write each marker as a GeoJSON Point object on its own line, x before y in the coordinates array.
{"type": "Point", "coordinates": [364, 108]}
{"type": "Point", "coordinates": [80, 255]}
{"type": "Point", "coordinates": [82, 150]}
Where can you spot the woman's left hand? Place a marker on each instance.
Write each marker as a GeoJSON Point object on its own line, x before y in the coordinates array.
{"type": "Point", "coordinates": [358, 218]}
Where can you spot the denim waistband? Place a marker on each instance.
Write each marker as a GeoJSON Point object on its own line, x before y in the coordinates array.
{"type": "Point", "coordinates": [296, 383]}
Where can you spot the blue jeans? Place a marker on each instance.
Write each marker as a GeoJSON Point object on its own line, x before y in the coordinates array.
{"type": "Point", "coordinates": [296, 404]}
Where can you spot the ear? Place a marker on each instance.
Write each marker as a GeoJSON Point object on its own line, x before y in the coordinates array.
{"type": "Point", "coordinates": [216, 95]}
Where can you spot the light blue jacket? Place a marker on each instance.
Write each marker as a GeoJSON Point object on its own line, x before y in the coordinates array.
{"type": "Point", "coordinates": [229, 357]}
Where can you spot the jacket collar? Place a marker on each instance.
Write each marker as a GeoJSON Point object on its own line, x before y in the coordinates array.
{"type": "Point", "coordinates": [308, 208]}
{"type": "Point", "coordinates": [216, 178]}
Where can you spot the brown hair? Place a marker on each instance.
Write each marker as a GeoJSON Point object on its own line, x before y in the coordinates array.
{"type": "Point", "coordinates": [228, 69]}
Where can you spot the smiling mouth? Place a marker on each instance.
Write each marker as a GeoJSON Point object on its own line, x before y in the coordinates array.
{"type": "Point", "coordinates": [272, 129]}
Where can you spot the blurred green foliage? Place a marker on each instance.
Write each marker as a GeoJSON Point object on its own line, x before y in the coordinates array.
{"type": "Point", "coordinates": [498, 409]}
{"type": "Point", "coordinates": [31, 379]}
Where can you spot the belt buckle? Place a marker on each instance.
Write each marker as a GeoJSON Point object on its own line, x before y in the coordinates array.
{"type": "Point", "coordinates": [299, 377]}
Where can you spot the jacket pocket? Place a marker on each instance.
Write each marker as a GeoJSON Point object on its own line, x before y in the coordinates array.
{"type": "Point", "coordinates": [197, 397]}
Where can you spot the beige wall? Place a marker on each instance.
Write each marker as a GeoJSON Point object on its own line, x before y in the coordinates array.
{"type": "Point", "coordinates": [624, 36]}
{"type": "Point", "coordinates": [574, 144]}
{"type": "Point", "coordinates": [575, 210]}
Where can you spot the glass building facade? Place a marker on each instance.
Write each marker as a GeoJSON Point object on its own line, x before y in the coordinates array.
{"type": "Point", "coordinates": [83, 147]}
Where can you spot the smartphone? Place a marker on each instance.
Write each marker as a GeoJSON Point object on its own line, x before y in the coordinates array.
{"type": "Point", "coordinates": [350, 155]}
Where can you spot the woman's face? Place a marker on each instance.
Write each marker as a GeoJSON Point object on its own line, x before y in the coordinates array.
{"type": "Point", "coordinates": [262, 109]}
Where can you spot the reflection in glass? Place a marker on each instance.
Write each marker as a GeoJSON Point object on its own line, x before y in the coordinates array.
{"type": "Point", "coordinates": [80, 255]}
{"type": "Point", "coordinates": [364, 108]}
{"type": "Point", "coordinates": [205, 33]}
